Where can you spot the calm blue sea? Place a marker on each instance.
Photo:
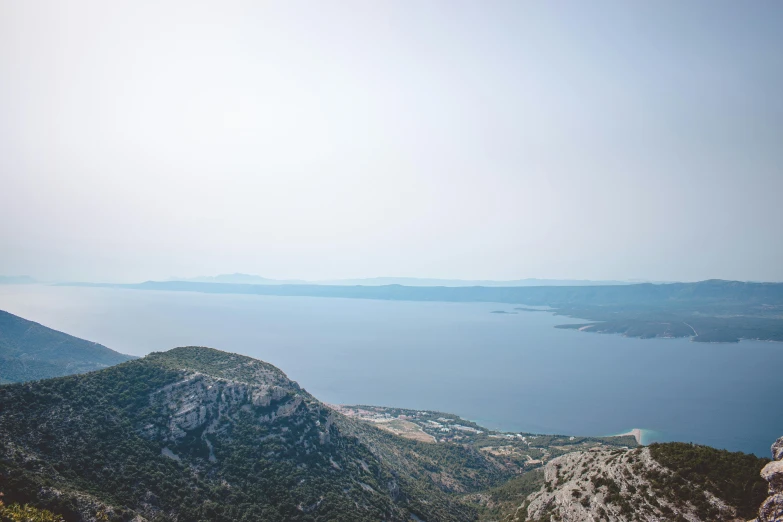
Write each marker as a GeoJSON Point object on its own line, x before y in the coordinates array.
{"type": "Point", "coordinates": [509, 372]}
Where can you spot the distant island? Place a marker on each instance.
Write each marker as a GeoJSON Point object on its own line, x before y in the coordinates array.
{"type": "Point", "coordinates": [707, 311]}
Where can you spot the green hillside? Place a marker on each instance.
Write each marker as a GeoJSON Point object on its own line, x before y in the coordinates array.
{"type": "Point", "coordinates": [197, 434]}
{"type": "Point", "coordinates": [30, 351]}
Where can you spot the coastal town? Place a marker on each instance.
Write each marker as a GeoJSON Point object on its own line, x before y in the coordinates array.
{"type": "Point", "coordinates": [520, 451]}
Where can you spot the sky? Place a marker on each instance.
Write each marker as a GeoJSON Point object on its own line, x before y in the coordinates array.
{"type": "Point", "coordinates": [337, 139]}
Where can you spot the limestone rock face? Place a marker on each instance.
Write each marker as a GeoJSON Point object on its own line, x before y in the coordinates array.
{"type": "Point", "coordinates": [772, 508]}
{"type": "Point", "coordinates": [203, 401]}
{"type": "Point", "coordinates": [613, 485]}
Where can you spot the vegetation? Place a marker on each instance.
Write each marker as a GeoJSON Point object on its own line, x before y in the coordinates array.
{"type": "Point", "coordinates": [654, 323]}
{"type": "Point", "coordinates": [105, 440]}
{"type": "Point", "coordinates": [731, 476]}
{"type": "Point", "coordinates": [501, 502]}
{"type": "Point", "coordinates": [681, 482]}
{"type": "Point", "coordinates": [30, 351]}
{"type": "Point", "coordinates": [26, 513]}
{"type": "Point", "coordinates": [509, 453]}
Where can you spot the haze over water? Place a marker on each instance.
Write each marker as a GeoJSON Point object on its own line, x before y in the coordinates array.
{"type": "Point", "coordinates": [509, 372]}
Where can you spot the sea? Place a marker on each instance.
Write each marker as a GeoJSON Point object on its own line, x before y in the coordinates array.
{"type": "Point", "coordinates": [513, 372]}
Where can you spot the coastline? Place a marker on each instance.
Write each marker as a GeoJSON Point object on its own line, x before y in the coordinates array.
{"type": "Point", "coordinates": [637, 433]}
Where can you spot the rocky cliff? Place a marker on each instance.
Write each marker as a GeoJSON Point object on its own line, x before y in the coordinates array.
{"type": "Point", "coordinates": [673, 481]}
{"type": "Point", "coordinates": [620, 486]}
{"type": "Point", "coordinates": [772, 508]}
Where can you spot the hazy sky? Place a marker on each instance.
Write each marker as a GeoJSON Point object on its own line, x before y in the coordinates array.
{"type": "Point", "coordinates": [326, 139]}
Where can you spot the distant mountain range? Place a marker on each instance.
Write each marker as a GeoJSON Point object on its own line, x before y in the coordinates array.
{"type": "Point", "coordinates": [30, 351]}
{"type": "Point", "coordinates": [405, 281]}
{"type": "Point", "coordinates": [242, 279]}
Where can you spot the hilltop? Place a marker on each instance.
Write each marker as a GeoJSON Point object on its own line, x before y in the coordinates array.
{"type": "Point", "coordinates": [674, 481]}
{"type": "Point", "coordinates": [30, 351]}
{"type": "Point", "coordinates": [195, 434]}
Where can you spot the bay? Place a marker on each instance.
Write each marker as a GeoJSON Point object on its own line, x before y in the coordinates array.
{"type": "Point", "coordinates": [513, 372]}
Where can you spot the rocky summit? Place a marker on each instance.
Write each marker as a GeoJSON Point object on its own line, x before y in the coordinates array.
{"type": "Point", "coordinates": [617, 485]}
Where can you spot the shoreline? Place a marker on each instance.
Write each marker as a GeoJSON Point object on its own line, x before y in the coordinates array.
{"type": "Point", "coordinates": [637, 433]}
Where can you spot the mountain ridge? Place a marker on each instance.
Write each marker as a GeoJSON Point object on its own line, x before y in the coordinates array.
{"type": "Point", "coordinates": [30, 351]}
{"type": "Point", "coordinates": [239, 278]}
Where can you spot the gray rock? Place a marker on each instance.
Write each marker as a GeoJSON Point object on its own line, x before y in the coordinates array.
{"type": "Point", "coordinates": [577, 489]}
{"type": "Point", "coordinates": [771, 510]}
{"type": "Point", "coordinates": [777, 449]}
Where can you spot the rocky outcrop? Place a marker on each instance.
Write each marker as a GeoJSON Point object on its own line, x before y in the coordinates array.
{"type": "Point", "coordinates": [198, 399]}
{"type": "Point", "coordinates": [203, 405]}
{"type": "Point", "coordinates": [772, 508]}
{"type": "Point", "coordinates": [614, 485]}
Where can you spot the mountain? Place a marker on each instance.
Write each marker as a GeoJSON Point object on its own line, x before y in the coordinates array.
{"type": "Point", "coordinates": [419, 281]}
{"type": "Point", "coordinates": [242, 279]}
{"type": "Point", "coordinates": [30, 351]}
{"type": "Point", "coordinates": [674, 481]}
{"type": "Point", "coordinates": [199, 434]}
